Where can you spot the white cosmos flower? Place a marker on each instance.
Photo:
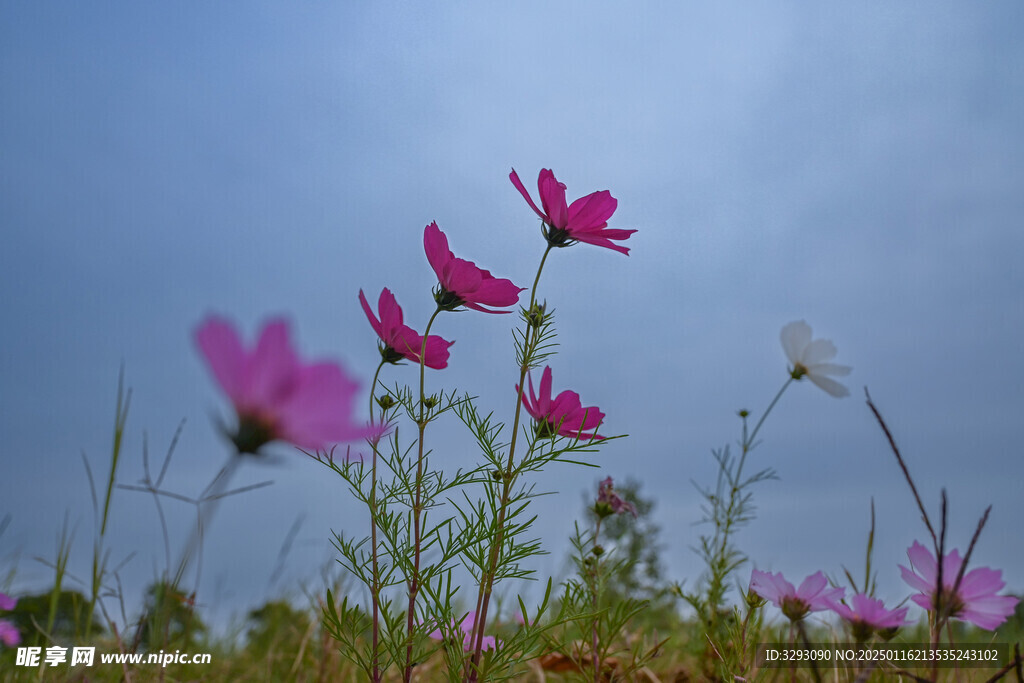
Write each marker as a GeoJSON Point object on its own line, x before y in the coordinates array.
{"type": "Point", "coordinates": [810, 358]}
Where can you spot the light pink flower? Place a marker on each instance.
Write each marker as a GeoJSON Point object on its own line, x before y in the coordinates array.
{"type": "Point", "coordinates": [276, 395]}
{"type": "Point", "coordinates": [975, 600]}
{"type": "Point", "coordinates": [400, 340]}
{"type": "Point", "coordinates": [9, 634]}
{"type": "Point", "coordinates": [611, 503]}
{"type": "Point", "coordinates": [563, 415]}
{"type": "Point", "coordinates": [867, 614]}
{"type": "Point", "coordinates": [585, 220]}
{"type": "Point", "coordinates": [809, 358]}
{"type": "Point", "coordinates": [461, 282]}
{"type": "Point", "coordinates": [466, 627]}
{"type": "Point", "coordinates": [814, 595]}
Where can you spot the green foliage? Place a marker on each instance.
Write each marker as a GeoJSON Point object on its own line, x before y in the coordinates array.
{"type": "Point", "coordinates": [169, 620]}
{"type": "Point", "coordinates": [70, 617]}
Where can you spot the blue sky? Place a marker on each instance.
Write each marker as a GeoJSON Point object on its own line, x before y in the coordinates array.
{"type": "Point", "coordinates": [856, 166]}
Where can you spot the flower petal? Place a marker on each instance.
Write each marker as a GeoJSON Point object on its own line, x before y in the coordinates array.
{"type": "Point", "coordinates": [591, 212]}
{"type": "Point", "coordinates": [220, 345]}
{"type": "Point", "coordinates": [435, 244]}
{"type": "Point", "coordinates": [514, 177]}
{"type": "Point", "coordinates": [374, 323]}
{"type": "Point", "coordinates": [818, 351]}
{"type": "Point", "coordinates": [795, 337]}
{"type": "Point", "coordinates": [552, 198]}
{"type": "Point", "coordinates": [829, 386]}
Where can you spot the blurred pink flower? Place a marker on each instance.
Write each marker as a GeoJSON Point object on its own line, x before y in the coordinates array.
{"type": "Point", "coordinates": [975, 600]}
{"type": "Point", "coordinates": [466, 627]}
{"type": "Point", "coordinates": [400, 340]}
{"type": "Point", "coordinates": [462, 283]}
{"type": "Point", "coordinates": [564, 415]}
{"type": "Point", "coordinates": [585, 220]}
{"type": "Point", "coordinates": [867, 614]}
{"type": "Point", "coordinates": [812, 596]}
{"type": "Point", "coordinates": [809, 358]}
{"type": "Point", "coordinates": [611, 503]}
{"type": "Point", "coordinates": [9, 634]}
{"type": "Point", "coordinates": [275, 394]}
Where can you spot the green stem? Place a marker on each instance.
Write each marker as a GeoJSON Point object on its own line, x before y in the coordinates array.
{"type": "Point", "coordinates": [375, 587]}
{"type": "Point", "coordinates": [594, 604]}
{"type": "Point", "coordinates": [716, 588]}
{"type": "Point", "coordinates": [413, 583]}
{"type": "Point", "coordinates": [487, 578]}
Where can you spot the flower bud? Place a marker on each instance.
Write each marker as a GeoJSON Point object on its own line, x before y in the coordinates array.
{"type": "Point", "coordinates": [535, 316]}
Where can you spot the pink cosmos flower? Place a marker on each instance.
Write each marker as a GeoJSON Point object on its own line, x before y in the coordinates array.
{"type": "Point", "coordinates": [401, 341]}
{"type": "Point", "coordinates": [975, 600]}
{"type": "Point", "coordinates": [9, 634]}
{"type": "Point", "coordinates": [586, 220]}
{"type": "Point", "coordinates": [461, 282]}
{"type": "Point", "coordinates": [812, 596]}
{"type": "Point", "coordinates": [466, 627]}
{"type": "Point", "coordinates": [611, 503]}
{"type": "Point", "coordinates": [867, 615]}
{"type": "Point", "coordinates": [563, 415]}
{"type": "Point", "coordinates": [276, 395]}
{"type": "Point", "coordinates": [809, 358]}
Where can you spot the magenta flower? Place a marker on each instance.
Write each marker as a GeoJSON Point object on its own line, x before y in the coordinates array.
{"type": "Point", "coordinates": [975, 599]}
{"type": "Point", "coordinates": [867, 615]}
{"type": "Point", "coordinates": [814, 595]}
{"type": "Point", "coordinates": [466, 627]}
{"type": "Point", "coordinates": [461, 282]}
{"type": "Point", "coordinates": [275, 394]}
{"type": "Point", "coordinates": [563, 415]}
{"type": "Point", "coordinates": [399, 340]}
{"type": "Point", "coordinates": [585, 220]}
{"type": "Point", "coordinates": [611, 503]}
{"type": "Point", "coordinates": [9, 634]}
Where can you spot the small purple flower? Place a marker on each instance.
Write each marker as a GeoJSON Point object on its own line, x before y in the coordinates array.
{"type": "Point", "coordinates": [466, 627]}
{"type": "Point", "coordinates": [867, 615]}
{"type": "Point", "coordinates": [812, 596]}
{"type": "Point", "coordinates": [975, 599]}
{"type": "Point", "coordinates": [9, 634]}
{"type": "Point", "coordinates": [609, 502]}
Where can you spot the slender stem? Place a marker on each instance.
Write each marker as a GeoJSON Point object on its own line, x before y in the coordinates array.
{"type": "Point", "coordinates": [375, 581]}
{"type": "Point", "coordinates": [596, 586]}
{"type": "Point", "coordinates": [210, 500]}
{"type": "Point", "coordinates": [903, 466]}
{"type": "Point", "coordinates": [757, 427]}
{"type": "Point", "coordinates": [735, 485]}
{"type": "Point", "coordinates": [413, 582]}
{"type": "Point", "coordinates": [487, 577]}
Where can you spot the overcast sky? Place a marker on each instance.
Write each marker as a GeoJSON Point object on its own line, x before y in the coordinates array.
{"type": "Point", "coordinates": [859, 166]}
